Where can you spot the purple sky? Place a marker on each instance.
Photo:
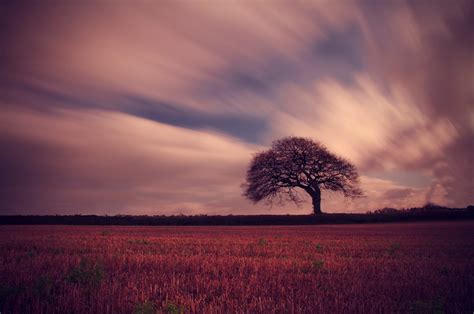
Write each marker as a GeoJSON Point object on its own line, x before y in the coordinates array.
{"type": "Point", "coordinates": [157, 108]}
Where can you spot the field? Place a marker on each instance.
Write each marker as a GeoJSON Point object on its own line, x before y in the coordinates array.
{"type": "Point", "coordinates": [370, 268]}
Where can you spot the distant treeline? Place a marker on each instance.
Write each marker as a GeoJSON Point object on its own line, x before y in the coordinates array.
{"type": "Point", "coordinates": [426, 213]}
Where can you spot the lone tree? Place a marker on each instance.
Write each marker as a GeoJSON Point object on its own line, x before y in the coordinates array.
{"type": "Point", "coordinates": [295, 162]}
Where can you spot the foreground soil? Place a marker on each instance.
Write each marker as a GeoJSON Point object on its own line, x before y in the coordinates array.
{"type": "Point", "coordinates": [377, 268]}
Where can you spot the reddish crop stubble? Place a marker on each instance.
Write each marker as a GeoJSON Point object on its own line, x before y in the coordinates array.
{"type": "Point", "coordinates": [415, 267]}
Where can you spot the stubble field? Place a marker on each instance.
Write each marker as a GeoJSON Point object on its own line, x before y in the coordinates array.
{"type": "Point", "coordinates": [379, 268]}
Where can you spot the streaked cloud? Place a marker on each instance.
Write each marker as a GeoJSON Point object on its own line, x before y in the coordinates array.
{"type": "Point", "coordinates": [91, 160]}
{"type": "Point", "coordinates": [158, 107]}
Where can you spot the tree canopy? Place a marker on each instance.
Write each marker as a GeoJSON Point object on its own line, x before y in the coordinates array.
{"type": "Point", "coordinates": [296, 163]}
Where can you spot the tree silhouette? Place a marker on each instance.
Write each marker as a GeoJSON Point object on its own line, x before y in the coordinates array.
{"type": "Point", "coordinates": [294, 163]}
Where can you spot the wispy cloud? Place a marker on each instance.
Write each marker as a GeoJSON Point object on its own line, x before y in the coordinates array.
{"type": "Point", "coordinates": [90, 160]}
{"type": "Point", "coordinates": [136, 107]}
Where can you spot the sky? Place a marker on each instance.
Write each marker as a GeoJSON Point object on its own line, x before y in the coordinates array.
{"type": "Point", "coordinates": [140, 107]}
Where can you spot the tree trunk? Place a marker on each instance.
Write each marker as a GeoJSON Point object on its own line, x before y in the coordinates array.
{"type": "Point", "coordinates": [316, 198]}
